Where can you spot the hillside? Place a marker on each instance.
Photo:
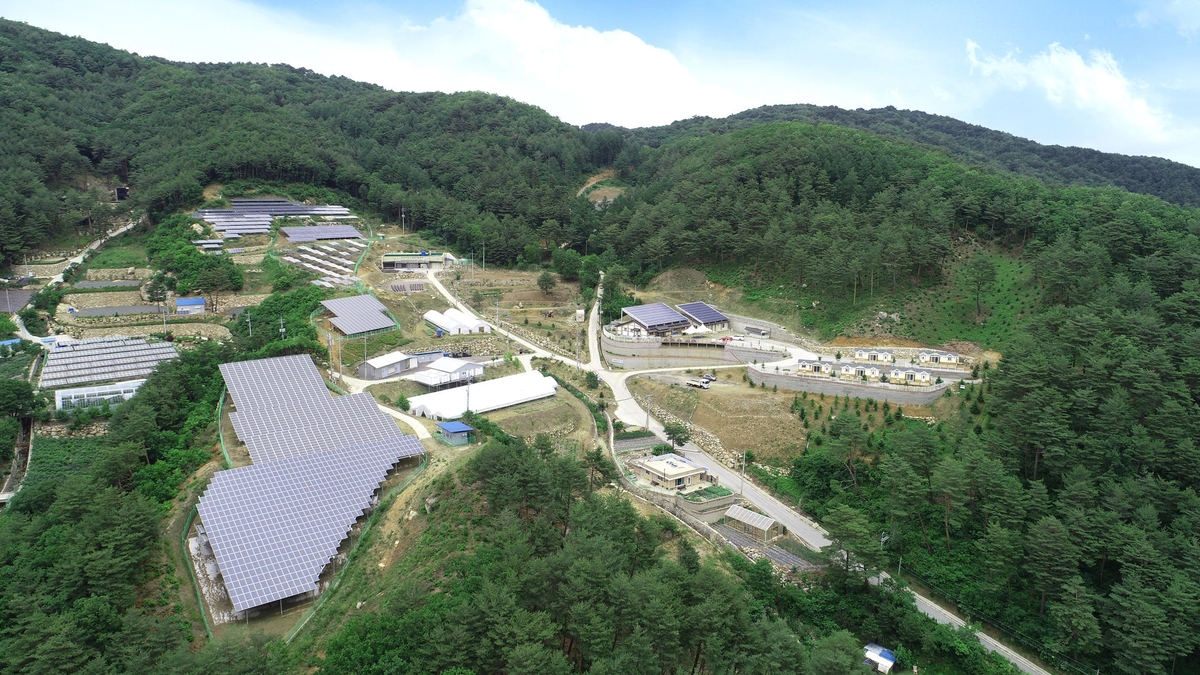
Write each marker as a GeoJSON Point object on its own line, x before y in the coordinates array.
{"type": "Point", "coordinates": [79, 117]}
{"type": "Point", "coordinates": [1056, 493]}
{"type": "Point", "coordinates": [1168, 180]}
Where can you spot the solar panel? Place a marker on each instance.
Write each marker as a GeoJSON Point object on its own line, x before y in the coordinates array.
{"type": "Point", "coordinates": [321, 232]}
{"type": "Point", "coordinates": [703, 313]}
{"type": "Point", "coordinates": [260, 383]}
{"type": "Point", "coordinates": [100, 359]}
{"type": "Point", "coordinates": [284, 431]}
{"type": "Point", "coordinates": [657, 316]}
{"type": "Point", "coordinates": [358, 314]}
{"type": "Point", "coordinates": [274, 527]}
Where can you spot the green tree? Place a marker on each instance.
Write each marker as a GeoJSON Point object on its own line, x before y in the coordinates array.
{"type": "Point", "coordinates": [839, 653]}
{"type": "Point", "coordinates": [1050, 557]}
{"type": "Point", "coordinates": [677, 433]}
{"type": "Point", "coordinates": [850, 531]}
{"type": "Point", "coordinates": [979, 273]}
{"type": "Point", "coordinates": [546, 281]}
{"type": "Point", "coordinates": [950, 490]}
{"type": "Point", "coordinates": [1073, 615]}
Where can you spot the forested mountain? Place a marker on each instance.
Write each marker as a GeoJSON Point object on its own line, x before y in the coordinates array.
{"type": "Point", "coordinates": [970, 143]}
{"type": "Point", "coordinates": [75, 114]}
{"type": "Point", "coordinates": [1060, 498]}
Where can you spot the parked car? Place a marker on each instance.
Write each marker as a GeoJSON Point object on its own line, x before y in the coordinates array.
{"type": "Point", "coordinates": [708, 377]}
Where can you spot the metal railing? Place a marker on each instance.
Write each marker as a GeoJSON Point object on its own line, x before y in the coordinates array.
{"type": "Point", "coordinates": [187, 559]}
{"type": "Point", "coordinates": [221, 428]}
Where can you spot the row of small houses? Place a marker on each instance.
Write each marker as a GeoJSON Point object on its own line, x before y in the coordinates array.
{"type": "Point", "coordinates": [925, 357]}
{"type": "Point", "coordinates": [867, 371]}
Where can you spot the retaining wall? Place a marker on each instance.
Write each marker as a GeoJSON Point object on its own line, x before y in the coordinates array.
{"type": "Point", "coordinates": [841, 387]}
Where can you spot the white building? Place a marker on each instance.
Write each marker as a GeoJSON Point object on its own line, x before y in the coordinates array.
{"type": "Point", "coordinates": [387, 365]}
{"type": "Point", "coordinates": [900, 375]}
{"type": "Point", "coordinates": [447, 370]}
{"type": "Point", "coordinates": [94, 397]}
{"type": "Point", "coordinates": [935, 358]}
{"type": "Point", "coordinates": [873, 355]}
{"type": "Point", "coordinates": [472, 324]}
{"type": "Point", "coordinates": [484, 396]}
{"type": "Point", "coordinates": [447, 325]}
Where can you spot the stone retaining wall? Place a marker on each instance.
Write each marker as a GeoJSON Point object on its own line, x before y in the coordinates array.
{"type": "Point", "coordinates": [114, 274]}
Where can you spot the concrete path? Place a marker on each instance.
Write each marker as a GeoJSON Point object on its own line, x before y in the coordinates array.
{"type": "Point", "coordinates": [412, 422]}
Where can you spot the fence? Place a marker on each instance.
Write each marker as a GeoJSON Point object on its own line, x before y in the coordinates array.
{"type": "Point", "coordinates": [221, 428]}
{"type": "Point", "coordinates": [187, 559]}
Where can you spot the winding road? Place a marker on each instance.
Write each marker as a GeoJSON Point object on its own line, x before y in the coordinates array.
{"type": "Point", "coordinates": [631, 413]}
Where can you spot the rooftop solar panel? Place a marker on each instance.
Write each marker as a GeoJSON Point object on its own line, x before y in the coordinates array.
{"type": "Point", "coordinates": [703, 313]}
{"type": "Point", "coordinates": [358, 314]}
{"type": "Point", "coordinates": [101, 359]}
{"type": "Point", "coordinates": [274, 527]}
{"type": "Point", "coordinates": [657, 316]}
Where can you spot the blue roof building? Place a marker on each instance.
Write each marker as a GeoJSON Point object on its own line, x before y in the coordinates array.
{"type": "Point", "coordinates": [189, 305]}
{"type": "Point", "coordinates": [454, 433]}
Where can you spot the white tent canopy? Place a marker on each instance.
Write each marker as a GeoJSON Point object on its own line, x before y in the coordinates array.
{"type": "Point", "coordinates": [448, 325]}
{"type": "Point", "coordinates": [484, 396]}
{"type": "Point", "coordinates": [472, 324]}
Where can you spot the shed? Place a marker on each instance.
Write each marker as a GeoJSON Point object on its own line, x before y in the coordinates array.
{"type": "Point", "coordinates": [754, 524]}
{"type": "Point", "coordinates": [444, 324]}
{"type": "Point", "coordinates": [879, 659]}
{"type": "Point", "coordinates": [472, 324]}
{"type": "Point", "coordinates": [447, 370]}
{"type": "Point", "coordinates": [454, 433]}
{"type": "Point", "coordinates": [386, 366]}
{"type": "Point", "coordinates": [189, 306]}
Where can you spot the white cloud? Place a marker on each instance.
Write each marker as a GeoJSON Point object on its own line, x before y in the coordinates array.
{"type": "Point", "coordinates": [1185, 14]}
{"type": "Point", "coordinates": [1096, 87]}
{"type": "Point", "coordinates": [510, 47]}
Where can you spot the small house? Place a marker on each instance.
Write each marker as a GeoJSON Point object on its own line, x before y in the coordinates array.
{"type": "Point", "coordinates": [920, 376]}
{"type": "Point", "coordinates": [385, 366]}
{"type": "Point", "coordinates": [860, 371]}
{"type": "Point", "coordinates": [454, 433]}
{"type": "Point", "coordinates": [934, 358]}
{"type": "Point", "coordinates": [189, 306]}
{"type": "Point", "coordinates": [754, 524]}
{"type": "Point", "coordinates": [814, 367]}
{"type": "Point", "coordinates": [670, 471]}
{"type": "Point", "coordinates": [868, 355]}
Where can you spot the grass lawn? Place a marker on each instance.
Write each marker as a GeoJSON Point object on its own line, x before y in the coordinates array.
{"type": "Point", "coordinates": [119, 257]}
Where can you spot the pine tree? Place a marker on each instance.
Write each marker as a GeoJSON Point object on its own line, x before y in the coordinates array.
{"type": "Point", "coordinates": [1050, 557]}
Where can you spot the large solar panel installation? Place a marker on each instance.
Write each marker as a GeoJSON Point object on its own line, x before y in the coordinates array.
{"type": "Point", "coordinates": [318, 459]}
{"type": "Point", "coordinates": [657, 316]}
{"type": "Point", "coordinates": [358, 314]}
{"type": "Point", "coordinates": [321, 232]}
{"type": "Point", "coordinates": [284, 431]}
{"type": "Point", "coordinates": [703, 313]}
{"type": "Point", "coordinates": [264, 382]}
{"type": "Point", "coordinates": [274, 527]}
{"type": "Point", "coordinates": [103, 359]}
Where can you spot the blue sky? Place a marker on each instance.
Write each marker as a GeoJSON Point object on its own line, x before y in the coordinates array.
{"type": "Point", "coordinates": [1118, 76]}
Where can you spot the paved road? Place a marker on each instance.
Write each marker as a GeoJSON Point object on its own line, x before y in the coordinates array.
{"type": "Point", "coordinates": [810, 533]}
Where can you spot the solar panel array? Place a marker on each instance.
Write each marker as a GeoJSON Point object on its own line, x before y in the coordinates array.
{"type": "Point", "coordinates": [703, 312]}
{"type": "Point", "coordinates": [318, 460]}
{"type": "Point", "coordinates": [321, 232]}
{"type": "Point", "coordinates": [358, 314]}
{"type": "Point", "coordinates": [12, 302]}
{"type": "Point", "coordinates": [292, 428]}
{"type": "Point", "coordinates": [274, 527]}
{"type": "Point", "coordinates": [103, 359]}
{"type": "Point", "coordinates": [254, 216]}
{"type": "Point", "coordinates": [657, 317]}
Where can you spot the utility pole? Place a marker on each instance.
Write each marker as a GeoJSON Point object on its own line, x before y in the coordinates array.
{"type": "Point", "coordinates": [743, 473]}
{"type": "Point", "coordinates": [250, 323]}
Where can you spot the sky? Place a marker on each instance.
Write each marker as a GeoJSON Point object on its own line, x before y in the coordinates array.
{"type": "Point", "coordinates": [1118, 76]}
